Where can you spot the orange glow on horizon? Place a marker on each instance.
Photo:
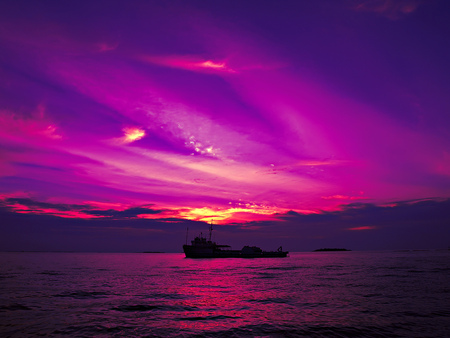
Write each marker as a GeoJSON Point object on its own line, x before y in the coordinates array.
{"type": "Point", "coordinates": [232, 214]}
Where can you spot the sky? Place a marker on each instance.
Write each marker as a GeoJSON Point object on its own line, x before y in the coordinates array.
{"type": "Point", "coordinates": [298, 123]}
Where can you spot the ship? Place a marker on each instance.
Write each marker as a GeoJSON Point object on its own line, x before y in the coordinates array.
{"type": "Point", "coordinates": [201, 247]}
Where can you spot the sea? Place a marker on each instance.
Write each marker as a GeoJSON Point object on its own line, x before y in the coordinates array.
{"type": "Point", "coordinates": [316, 294]}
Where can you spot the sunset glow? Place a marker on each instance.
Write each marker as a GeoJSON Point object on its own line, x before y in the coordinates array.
{"type": "Point", "coordinates": [133, 134]}
{"type": "Point", "coordinates": [274, 114]}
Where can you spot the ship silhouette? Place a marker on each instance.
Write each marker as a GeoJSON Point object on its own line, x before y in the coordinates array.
{"type": "Point", "coordinates": [201, 247]}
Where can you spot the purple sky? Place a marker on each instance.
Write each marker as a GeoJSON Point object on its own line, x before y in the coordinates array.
{"type": "Point", "coordinates": [318, 123]}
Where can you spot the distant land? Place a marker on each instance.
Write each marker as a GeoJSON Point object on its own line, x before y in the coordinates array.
{"type": "Point", "coordinates": [332, 249]}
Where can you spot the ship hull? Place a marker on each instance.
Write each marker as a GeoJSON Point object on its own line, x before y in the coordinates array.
{"type": "Point", "coordinates": [196, 252]}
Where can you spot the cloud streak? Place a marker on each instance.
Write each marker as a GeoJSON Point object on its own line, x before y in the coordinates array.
{"type": "Point", "coordinates": [190, 63]}
{"type": "Point", "coordinates": [84, 211]}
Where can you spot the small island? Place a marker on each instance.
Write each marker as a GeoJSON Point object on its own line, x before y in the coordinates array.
{"type": "Point", "coordinates": [332, 249]}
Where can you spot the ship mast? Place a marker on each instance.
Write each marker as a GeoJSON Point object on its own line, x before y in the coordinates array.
{"type": "Point", "coordinates": [210, 230]}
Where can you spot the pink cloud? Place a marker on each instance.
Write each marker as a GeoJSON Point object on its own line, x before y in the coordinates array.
{"type": "Point", "coordinates": [368, 227]}
{"type": "Point", "coordinates": [346, 197]}
{"type": "Point", "coordinates": [132, 134]}
{"type": "Point", "coordinates": [24, 209]}
{"type": "Point", "coordinates": [18, 128]}
{"type": "Point", "coordinates": [392, 9]}
{"type": "Point", "coordinates": [189, 63]}
{"type": "Point", "coordinates": [25, 205]}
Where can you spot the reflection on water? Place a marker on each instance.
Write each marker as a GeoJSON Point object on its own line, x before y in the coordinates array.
{"type": "Point", "coordinates": [314, 294]}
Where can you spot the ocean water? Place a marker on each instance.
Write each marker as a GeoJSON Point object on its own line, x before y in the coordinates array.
{"type": "Point", "coordinates": [323, 294]}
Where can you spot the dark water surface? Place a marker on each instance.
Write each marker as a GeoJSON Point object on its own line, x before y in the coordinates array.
{"type": "Point", "coordinates": [335, 294]}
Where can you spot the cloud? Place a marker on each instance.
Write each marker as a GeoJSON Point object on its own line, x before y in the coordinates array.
{"type": "Point", "coordinates": [36, 205]}
{"type": "Point", "coordinates": [30, 206]}
{"type": "Point", "coordinates": [107, 46]}
{"type": "Point", "coordinates": [367, 227]}
{"type": "Point", "coordinates": [132, 134]}
{"type": "Point", "coordinates": [189, 63]}
{"type": "Point", "coordinates": [344, 197]}
{"type": "Point", "coordinates": [412, 224]}
{"type": "Point", "coordinates": [127, 213]}
{"type": "Point", "coordinates": [365, 216]}
{"type": "Point", "coordinates": [19, 127]}
{"type": "Point", "coordinates": [392, 9]}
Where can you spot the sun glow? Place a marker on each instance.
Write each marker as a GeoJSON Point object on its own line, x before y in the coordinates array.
{"type": "Point", "coordinates": [233, 214]}
{"type": "Point", "coordinates": [133, 134]}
